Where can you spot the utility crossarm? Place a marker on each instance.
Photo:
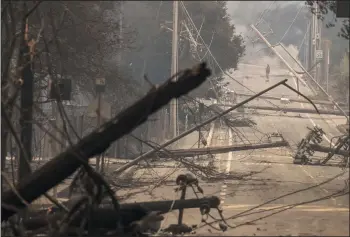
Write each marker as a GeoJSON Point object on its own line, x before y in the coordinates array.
{"type": "Point", "coordinates": [221, 149]}
{"type": "Point", "coordinates": [321, 102]}
{"type": "Point", "coordinates": [293, 110]}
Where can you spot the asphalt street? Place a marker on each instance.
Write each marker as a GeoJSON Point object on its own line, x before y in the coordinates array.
{"type": "Point", "coordinates": [258, 184]}
{"type": "Point", "coordinates": [262, 182]}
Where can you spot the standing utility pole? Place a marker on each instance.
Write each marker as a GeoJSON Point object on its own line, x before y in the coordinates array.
{"type": "Point", "coordinates": [310, 44]}
{"type": "Point", "coordinates": [98, 159]}
{"type": "Point", "coordinates": [174, 67]}
{"type": "Point", "coordinates": [119, 62]}
{"type": "Point", "coordinates": [100, 88]}
{"type": "Point", "coordinates": [316, 53]}
{"type": "Point", "coordinates": [306, 44]}
{"type": "Point", "coordinates": [56, 147]}
{"type": "Point", "coordinates": [326, 44]}
{"type": "Point", "coordinates": [26, 116]}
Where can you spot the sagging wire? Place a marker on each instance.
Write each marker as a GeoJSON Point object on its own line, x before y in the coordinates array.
{"type": "Point", "coordinates": [299, 93]}
{"type": "Point", "coordinates": [215, 112]}
{"type": "Point", "coordinates": [285, 195]}
{"type": "Point", "coordinates": [189, 108]}
{"type": "Point", "coordinates": [180, 160]}
{"type": "Point", "coordinates": [212, 56]}
{"type": "Point", "coordinates": [93, 174]}
{"type": "Point", "coordinates": [166, 217]}
{"type": "Point", "coordinates": [283, 208]}
{"type": "Point", "coordinates": [26, 158]}
{"type": "Point", "coordinates": [149, 166]}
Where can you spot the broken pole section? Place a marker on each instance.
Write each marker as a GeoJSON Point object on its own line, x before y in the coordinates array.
{"type": "Point", "coordinates": [46, 177]}
{"type": "Point", "coordinates": [151, 152]}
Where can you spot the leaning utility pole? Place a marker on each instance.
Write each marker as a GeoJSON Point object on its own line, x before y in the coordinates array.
{"type": "Point", "coordinates": [174, 67]}
{"type": "Point", "coordinates": [296, 75]}
{"type": "Point", "coordinates": [278, 55]}
{"type": "Point", "coordinates": [26, 116]}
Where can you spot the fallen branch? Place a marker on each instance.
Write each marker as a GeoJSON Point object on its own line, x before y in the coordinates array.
{"type": "Point", "coordinates": [66, 163]}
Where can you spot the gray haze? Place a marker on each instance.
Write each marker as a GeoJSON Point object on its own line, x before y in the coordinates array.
{"type": "Point", "coordinates": [244, 13]}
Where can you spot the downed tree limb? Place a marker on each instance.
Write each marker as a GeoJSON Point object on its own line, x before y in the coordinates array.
{"type": "Point", "coordinates": [66, 163]}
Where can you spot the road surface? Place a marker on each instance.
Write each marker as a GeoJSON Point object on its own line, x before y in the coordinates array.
{"type": "Point", "coordinates": [266, 177]}
{"type": "Point", "coordinates": [257, 183]}
{"type": "Point", "coordinates": [269, 176]}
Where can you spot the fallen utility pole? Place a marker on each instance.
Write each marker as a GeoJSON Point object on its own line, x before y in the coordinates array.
{"type": "Point", "coordinates": [162, 206]}
{"type": "Point", "coordinates": [208, 121]}
{"type": "Point", "coordinates": [106, 216]}
{"type": "Point", "coordinates": [293, 110]}
{"type": "Point", "coordinates": [295, 74]}
{"type": "Point", "coordinates": [326, 149]}
{"type": "Point", "coordinates": [220, 149]}
{"type": "Point", "coordinates": [318, 85]}
{"type": "Point", "coordinates": [321, 102]}
{"type": "Point", "coordinates": [98, 141]}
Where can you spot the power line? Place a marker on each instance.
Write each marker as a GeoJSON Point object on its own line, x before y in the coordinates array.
{"type": "Point", "coordinates": [216, 62]}
{"type": "Point", "coordinates": [263, 13]}
{"type": "Point", "coordinates": [290, 26]}
{"type": "Point", "coordinates": [306, 33]}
